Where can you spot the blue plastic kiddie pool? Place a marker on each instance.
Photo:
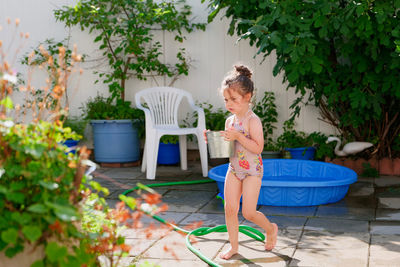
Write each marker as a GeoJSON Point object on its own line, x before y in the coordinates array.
{"type": "Point", "coordinates": [289, 182]}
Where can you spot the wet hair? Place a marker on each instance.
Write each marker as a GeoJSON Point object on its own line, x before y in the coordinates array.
{"type": "Point", "coordinates": [239, 79]}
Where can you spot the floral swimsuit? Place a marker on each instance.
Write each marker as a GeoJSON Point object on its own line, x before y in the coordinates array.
{"type": "Point", "coordinates": [244, 163]}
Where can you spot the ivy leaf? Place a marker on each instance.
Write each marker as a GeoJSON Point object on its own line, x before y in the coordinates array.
{"type": "Point", "coordinates": [32, 232]}
{"type": "Point", "coordinates": [48, 185]}
{"type": "Point", "coordinates": [9, 236]}
{"type": "Point", "coordinates": [54, 252]}
{"type": "Point", "coordinates": [38, 263]}
{"type": "Point", "coordinates": [16, 197]}
{"type": "Point", "coordinates": [37, 208]}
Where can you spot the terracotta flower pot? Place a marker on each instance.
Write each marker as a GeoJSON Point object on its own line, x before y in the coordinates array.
{"type": "Point", "coordinates": [386, 166]}
{"type": "Point", "coordinates": [338, 161]}
{"type": "Point", "coordinates": [396, 166]}
{"type": "Point", "coordinates": [374, 163]}
{"type": "Point", "coordinates": [349, 163]}
{"type": "Point", "coordinates": [359, 165]}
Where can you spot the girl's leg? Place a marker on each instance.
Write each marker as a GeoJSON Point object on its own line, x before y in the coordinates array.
{"type": "Point", "coordinates": [232, 193]}
{"type": "Point", "coordinates": [251, 190]}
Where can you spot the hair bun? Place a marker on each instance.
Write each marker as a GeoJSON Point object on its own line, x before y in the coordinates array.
{"type": "Point", "coordinates": [243, 70]}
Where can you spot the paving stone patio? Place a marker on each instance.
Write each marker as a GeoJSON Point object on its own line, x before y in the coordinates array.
{"type": "Point", "coordinates": [363, 229]}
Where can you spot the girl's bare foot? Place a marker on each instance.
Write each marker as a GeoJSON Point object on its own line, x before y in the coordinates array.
{"type": "Point", "coordinates": [271, 238]}
{"type": "Point", "coordinates": [226, 255]}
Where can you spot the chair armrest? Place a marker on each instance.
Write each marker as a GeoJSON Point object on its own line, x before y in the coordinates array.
{"type": "Point", "coordinates": [146, 111]}
{"type": "Point", "coordinates": [201, 121]}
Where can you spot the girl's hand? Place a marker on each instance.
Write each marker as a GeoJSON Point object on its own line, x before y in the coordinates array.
{"type": "Point", "coordinates": [230, 134]}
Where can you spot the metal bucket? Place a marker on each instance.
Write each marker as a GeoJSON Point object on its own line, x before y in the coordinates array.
{"type": "Point", "coordinates": [217, 146]}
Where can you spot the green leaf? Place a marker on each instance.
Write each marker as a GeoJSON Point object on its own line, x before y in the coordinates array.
{"type": "Point", "coordinates": [54, 252]}
{"type": "Point", "coordinates": [32, 232]}
{"type": "Point", "coordinates": [66, 214]}
{"type": "Point", "coordinates": [48, 185]}
{"type": "Point", "coordinates": [130, 201]}
{"type": "Point", "coordinates": [10, 236]}
{"type": "Point", "coordinates": [16, 197]}
{"type": "Point", "coordinates": [7, 102]}
{"type": "Point", "coordinates": [37, 208]}
{"type": "Point", "coordinates": [3, 190]}
{"type": "Point", "coordinates": [38, 263]}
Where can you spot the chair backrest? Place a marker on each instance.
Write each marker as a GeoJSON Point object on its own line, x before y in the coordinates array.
{"type": "Point", "coordinates": [163, 103]}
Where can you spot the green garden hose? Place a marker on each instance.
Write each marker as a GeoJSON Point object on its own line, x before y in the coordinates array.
{"type": "Point", "coordinates": [247, 230]}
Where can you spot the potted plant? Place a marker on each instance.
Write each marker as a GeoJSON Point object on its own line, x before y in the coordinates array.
{"type": "Point", "coordinates": [40, 184]}
{"type": "Point", "coordinates": [129, 46]}
{"type": "Point", "coordinates": [76, 125]}
{"type": "Point", "coordinates": [51, 212]}
{"type": "Point", "coordinates": [116, 129]}
{"type": "Point", "coordinates": [168, 150]}
{"type": "Point", "coordinates": [266, 111]}
{"type": "Point", "coordinates": [297, 143]}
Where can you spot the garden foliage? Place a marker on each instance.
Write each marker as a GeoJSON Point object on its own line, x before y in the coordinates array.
{"type": "Point", "coordinates": [126, 34]}
{"type": "Point", "coordinates": [337, 54]}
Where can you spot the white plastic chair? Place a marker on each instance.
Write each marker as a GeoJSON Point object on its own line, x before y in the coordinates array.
{"type": "Point", "coordinates": [161, 114]}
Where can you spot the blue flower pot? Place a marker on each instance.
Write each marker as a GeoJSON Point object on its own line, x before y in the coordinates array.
{"type": "Point", "coordinates": [115, 141]}
{"type": "Point", "coordinates": [72, 144]}
{"type": "Point", "coordinates": [168, 154]}
{"type": "Point", "coordinates": [306, 153]}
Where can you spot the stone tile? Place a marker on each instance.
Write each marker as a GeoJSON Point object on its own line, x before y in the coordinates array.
{"type": "Point", "coordinates": [123, 262]}
{"type": "Point", "coordinates": [354, 202]}
{"type": "Point", "coordinates": [283, 222]}
{"type": "Point", "coordinates": [212, 187]}
{"type": "Point", "coordinates": [169, 216]}
{"type": "Point", "coordinates": [345, 212]}
{"type": "Point", "coordinates": [123, 173]}
{"type": "Point", "coordinates": [369, 180]}
{"type": "Point", "coordinates": [336, 225]}
{"type": "Point", "coordinates": [384, 181]}
{"type": "Point", "coordinates": [361, 189]}
{"type": "Point", "coordinates": [252, 253]}
{"type": "Point", "coordinates": [287, 238]}
{"type": "Point", "coordinates": [167, 262]}
{"type": "Point", "coordinates": [389, 202]}
{"type": "Point", "coordinates": [173, 246]}
{"type": "Point", "coordinates": [207, 219]}
{"type": "Point", "coordinates": [328, 240]}
{"type": "Point", "coordinates": [187, 201]}
{"type": "Point", "coordinates": [385, 228]}
{"type": "Point", "coordinates": [291, 211]}
{"type": "Point", "coordinates": [384, 250]}
{"type": "Point", "coordinates": [138, 246]}
{"type": "Point", "coordinates": [214, 206]}
{"type": "Point", "coordinates": [355, 257]}
{"type": "Point", "coordinates": [144, 233]}
{"type": "Point", "coordinates": [114, 194]}
{"type": "Point", "coordinates": [388, 215]}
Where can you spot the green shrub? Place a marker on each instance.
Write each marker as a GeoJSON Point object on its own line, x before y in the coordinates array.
{"type": "Point", "coordinates": [342, 56]}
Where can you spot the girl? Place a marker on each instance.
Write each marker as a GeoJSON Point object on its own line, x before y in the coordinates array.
{"type": "Point", "coordinates": [245, 170]}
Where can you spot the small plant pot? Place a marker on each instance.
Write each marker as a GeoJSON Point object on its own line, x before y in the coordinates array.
{"type": "Point", "coordinates": [168, 154]}
{"type": "Point", "coordinates": [271, 154]}
{"type": "Point", "coordinates": [72, 145]}
{"type": "Point", "coordinates": [386, 166]}
{"type": "Point", "coordinates": [305, 153]}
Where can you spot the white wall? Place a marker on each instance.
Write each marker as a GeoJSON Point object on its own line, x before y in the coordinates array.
{"type": "Point", "coordinates": [213, 51]}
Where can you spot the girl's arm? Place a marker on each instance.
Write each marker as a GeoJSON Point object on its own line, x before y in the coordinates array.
{"type": "Point", "coordinates": [255, 143]}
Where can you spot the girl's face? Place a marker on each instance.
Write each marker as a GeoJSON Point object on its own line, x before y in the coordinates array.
{"type": "Point", "coordinates": [235, 102]}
